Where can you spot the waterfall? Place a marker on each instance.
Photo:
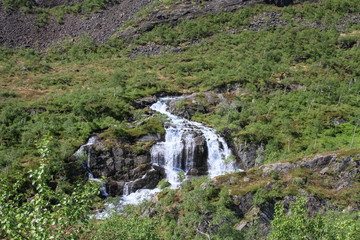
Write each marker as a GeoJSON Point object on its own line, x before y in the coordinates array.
{"type": "Point", "coordinates": [180, 152]}
{"type": "Point", "coordinates": [177, 152]}
{"type": "Point", "coordinates": [126, 189]}
{"type": "Point", "coordinates": [79, 152]}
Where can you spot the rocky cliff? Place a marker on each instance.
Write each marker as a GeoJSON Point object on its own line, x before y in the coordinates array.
{"type": "Point", "coordinates": [18, 28]}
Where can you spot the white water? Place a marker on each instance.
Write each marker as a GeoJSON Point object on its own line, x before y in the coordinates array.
{"type": "Point", "coordinates": [168, 154]}
{"type": "Point", "coordinates": [79, 152]}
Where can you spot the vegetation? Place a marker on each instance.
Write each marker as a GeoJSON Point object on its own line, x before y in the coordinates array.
{"type": "Point", "coordinates": [42, 208]}
{"type": "Point", "coordinates": [43, 13]}
{"type": "Point", "coordinates": [298, 94]}
{"type": "Point", "coordinates": [298, 224]}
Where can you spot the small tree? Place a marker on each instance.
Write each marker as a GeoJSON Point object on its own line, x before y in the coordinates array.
{"type": "Point", "coordinates": [118, 80]}
{"type": "Point", "coordinates": [47, 214]}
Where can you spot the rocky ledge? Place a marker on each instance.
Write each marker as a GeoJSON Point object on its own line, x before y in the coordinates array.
{"type": "Point", "coordinates": [327, 181]}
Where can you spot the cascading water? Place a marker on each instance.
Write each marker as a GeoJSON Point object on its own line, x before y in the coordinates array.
{"type": "Point", "coordinates": [79, 153]}
{"type": "Point", "coordinates": [177, 153]}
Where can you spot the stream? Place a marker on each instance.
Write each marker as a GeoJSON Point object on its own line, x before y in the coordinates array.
{"type": "Point", "coordinates": [189, 147]}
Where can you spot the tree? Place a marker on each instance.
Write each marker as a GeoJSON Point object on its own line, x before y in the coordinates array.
{"type": "Point", "coordinates": [299, 224]}
{"type": "Point", "coordinates": [48, 213]}
{"type": "Point", "coordinates": [118, 80]}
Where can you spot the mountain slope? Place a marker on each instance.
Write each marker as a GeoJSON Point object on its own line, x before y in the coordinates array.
{"type": "Point", "coordinates": [278, 83]}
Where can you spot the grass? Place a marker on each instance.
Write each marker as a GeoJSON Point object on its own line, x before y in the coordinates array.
{"type": "Point", "coordinates": [270, 109]}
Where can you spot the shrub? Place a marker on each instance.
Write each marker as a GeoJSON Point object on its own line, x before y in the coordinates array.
{"type": "Point", "coordinates": [123, 228]}
{"type": "Point", "coordinates": [298, 224]}
{"type": "Point", "coordinates": [48, 213]}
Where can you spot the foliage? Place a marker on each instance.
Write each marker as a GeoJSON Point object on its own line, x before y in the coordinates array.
{"type": "Point", "coordinates": [127, 227]}
{"type": "Point", "coordinates": [298, 224]}
{"type": "Point", "coordinates": [199, 204]}
{"type": "Point", "coordinates": [12, 4]}
{"type": "Point", "coordinates": [47, 213]}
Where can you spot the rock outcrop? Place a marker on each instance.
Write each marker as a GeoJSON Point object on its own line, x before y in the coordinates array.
{"type": "Point", "coordinates": [121, 167]}
{"type": "Point", "coordinates": [329, 172]}
{"type": "Point", "coordinates": [195, 151]}
{"type": "Point", "coordinates": [250, 155]}
{"type": "Point", "coordinates": [19, 29]}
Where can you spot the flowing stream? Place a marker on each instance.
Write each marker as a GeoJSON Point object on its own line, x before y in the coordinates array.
{"type": "Point", "coordinates": [87, 147]}
{"type": "Point", "coordinates": [188, 146]}
{"type": "Point", "coordinates": [179, 150]}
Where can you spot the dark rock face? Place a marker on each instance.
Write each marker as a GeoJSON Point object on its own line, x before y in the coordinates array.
{"type": "Point", "coordinates": [244, 204]}
{"type": "Point", "coordinates": [150, 137]}
{"type": "Point", "coordinates": [145, 102]}
{"type": "Point", "coordinates": [18, 29]}
{"type": "Point", "coordinates": [250, 155]}
{"type": "Point", "coordinates": [181, 108]}
{"type": "Point", "coordinates": [195, 151]}
{"type": "Point", "coordinates": [318, 161]}
{"type": "Point", "coordinates": [280, 3]}
{"type": "Point", "coordinates": [121, 167]}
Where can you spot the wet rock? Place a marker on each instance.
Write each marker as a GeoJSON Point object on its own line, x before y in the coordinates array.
{"type": "Point", "coordinates": [115, 188]}
{"type": "Point", "coordinates": [192, 172]}
{"type": "Point", "coordinates": [150, 137]}
{"type": "Point", "coordinates": [147, 181]}
{"type": "Point", "coordinates": [195, 151]}
{"type": "Point", "coordinates": [145, 102]}
{"type": "Point", "coordinates": [118, 164]}
{"type": "Point", "coordinates": [142, 159]}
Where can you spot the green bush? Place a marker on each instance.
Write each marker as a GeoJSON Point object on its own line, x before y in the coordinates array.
{"type": "Point", "coordinates": [123, 227]}
{"type": "Point", "coordinates": [298, 224]}
{"type": "Point", "coordinates": [48, 213]}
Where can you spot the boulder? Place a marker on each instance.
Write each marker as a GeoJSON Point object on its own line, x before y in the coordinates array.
{"type": "Point", "coordinates": [150, 137]}
{"type": "Point", "coordinates": [142, 159]}
{"type": "Point", "coordinates": [343, 165]}
{"type": "Point", "coordinates": [148, 181]}
{"type": "Point", "coordinates": [195, 152]}
{"type": "Point", "coordinates": [267, 169]}
{"type": "Point", "coordinates": [250, 155]}
{"type": "Point", "coordinates": [192, 172]}
{"type": "Point", "coordinates": [145, 102]}
{"type": "Point", "coordinates": [318, 161]}
{"type": "Point", "coordinates": [115, 188]}
{"type": "Point", "coordinates": [280, 3]}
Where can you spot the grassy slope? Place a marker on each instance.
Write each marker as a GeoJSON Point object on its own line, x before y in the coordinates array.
{"type": "Point", "coordinates": [74, 82]}
{"type": "Point", "coordinates": [70, 87]}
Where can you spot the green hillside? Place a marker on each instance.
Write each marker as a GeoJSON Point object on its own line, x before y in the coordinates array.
{"type": "Point", "coordinates": [291, 81]}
